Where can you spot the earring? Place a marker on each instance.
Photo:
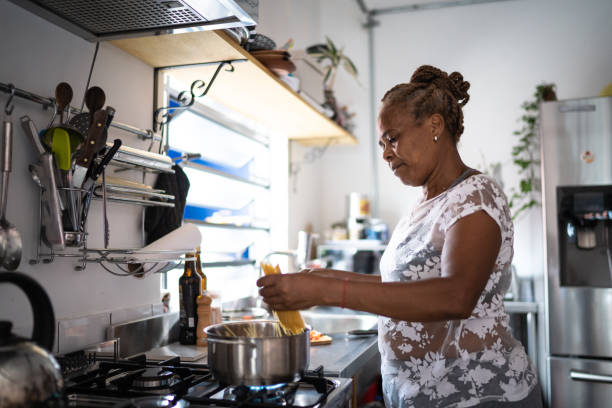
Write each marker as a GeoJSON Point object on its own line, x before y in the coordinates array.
{"type": "Point", "coordinates": [436, 139]}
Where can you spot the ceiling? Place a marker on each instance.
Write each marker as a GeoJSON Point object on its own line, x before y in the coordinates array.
{"type": "Point", "coordinates": [383, 4]}
{"type": "Point", "coordinates": [388, 5]}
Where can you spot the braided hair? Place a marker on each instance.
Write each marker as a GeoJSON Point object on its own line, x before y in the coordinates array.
{"type": "Point", "coordinates": [430, 91]}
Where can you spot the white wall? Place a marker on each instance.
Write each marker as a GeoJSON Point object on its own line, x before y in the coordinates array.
{"type": "Point", "coordinates": [35, 56]}
{"type": "Point", "coordinates": [314, 197]}
{"type": "Point", "coordinates": [504, 49]}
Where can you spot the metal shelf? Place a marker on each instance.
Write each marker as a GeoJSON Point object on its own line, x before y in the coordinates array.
{"type": "Point", "coordinates": [223, 174]}
{"type": "Point", "coordinates": [227, 226]}
{"type": "Point", "coordinates": [223, 264]}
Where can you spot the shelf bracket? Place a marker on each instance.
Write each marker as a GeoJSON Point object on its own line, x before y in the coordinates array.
{"type": "Point", "coordinates": [186, 99]}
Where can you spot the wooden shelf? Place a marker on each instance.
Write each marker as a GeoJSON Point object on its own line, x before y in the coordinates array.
{"type": "Point", "coordinates": [251, 89]}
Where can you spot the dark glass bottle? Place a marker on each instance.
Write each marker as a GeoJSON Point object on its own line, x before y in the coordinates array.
{"type": "Point", "coordinates": [190, 287]}
{"type": "Point", "coordinates": [199, 270]}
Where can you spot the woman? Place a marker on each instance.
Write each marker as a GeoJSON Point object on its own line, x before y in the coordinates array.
{"type": "Point", "coordinates": [444, 337]}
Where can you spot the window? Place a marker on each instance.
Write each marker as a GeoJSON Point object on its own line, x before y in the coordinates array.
{"type": "Point", "coordinates": [237, 195]}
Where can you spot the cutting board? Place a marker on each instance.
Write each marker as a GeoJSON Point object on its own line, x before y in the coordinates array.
{"type": "Point", "coordinates": [185, 352]}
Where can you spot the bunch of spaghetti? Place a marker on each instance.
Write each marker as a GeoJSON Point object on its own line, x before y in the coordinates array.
{"type": "Point", "coordinates": [291, 320]}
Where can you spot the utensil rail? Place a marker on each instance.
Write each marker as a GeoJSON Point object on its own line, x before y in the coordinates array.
{"type": "Point", "coordinates": [48, 102]}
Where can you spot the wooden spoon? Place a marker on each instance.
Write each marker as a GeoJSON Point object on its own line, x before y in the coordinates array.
{"type": "Point", "coordinates": [63, 96]}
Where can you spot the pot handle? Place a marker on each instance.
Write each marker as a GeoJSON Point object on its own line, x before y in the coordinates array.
{"type": "Point", "coordinates": [43, 333]}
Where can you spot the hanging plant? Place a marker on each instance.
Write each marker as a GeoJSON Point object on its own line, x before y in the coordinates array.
{"type": "Point", "coordinates": [526, 153]}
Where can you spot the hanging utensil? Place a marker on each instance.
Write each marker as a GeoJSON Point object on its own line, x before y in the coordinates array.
{"type": "Point", "coordinates": [44, 175]}
{"type": "Point", "coordinates": [11, 239]}
{"type": "Point", "coordinates": [94, 99]}
{"type": "Point", "coordinates": [59, 140]}
{"type": "Point", "coordinates": [63, 96]}
{"type": "Point", "coordinates": [95, 141]}
{"type": "Point", "coordinates": [101, 168]}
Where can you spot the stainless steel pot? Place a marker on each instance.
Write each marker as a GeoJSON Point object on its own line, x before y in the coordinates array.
{"type": "Point", "coordinates": [256, 355]}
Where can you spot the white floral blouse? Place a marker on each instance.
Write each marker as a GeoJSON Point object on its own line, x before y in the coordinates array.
{"type": "Point", "coordinates": [455, 363]}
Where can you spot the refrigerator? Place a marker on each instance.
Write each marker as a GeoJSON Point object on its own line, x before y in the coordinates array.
{"type": "Point", "coordinates": [576, 155]}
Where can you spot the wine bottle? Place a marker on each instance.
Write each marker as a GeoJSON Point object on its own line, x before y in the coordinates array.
{"type": "Point", "coordinates": [199, 270]}
{"type": "Point", "coordinates": [190, 287]}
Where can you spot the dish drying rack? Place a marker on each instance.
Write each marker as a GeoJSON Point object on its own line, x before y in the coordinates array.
{"type": "Point", "coordinates": [123, 262]}
{"type": "Point", "coordinates": [119, 262]}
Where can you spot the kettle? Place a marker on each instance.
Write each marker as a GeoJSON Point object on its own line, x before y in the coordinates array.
{"type": "Point", "coordinates": [29, 375]}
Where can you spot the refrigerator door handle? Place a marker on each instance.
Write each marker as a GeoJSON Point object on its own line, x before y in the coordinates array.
{"type": "Point", "coordinates": [582, 376]}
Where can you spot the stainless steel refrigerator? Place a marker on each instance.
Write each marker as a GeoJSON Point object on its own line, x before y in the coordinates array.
{"type": "Point", "coordinates": [576, 146]}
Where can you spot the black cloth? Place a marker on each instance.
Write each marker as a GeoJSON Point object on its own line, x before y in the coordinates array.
{"type": "Point", "coordinates": [160, 221]}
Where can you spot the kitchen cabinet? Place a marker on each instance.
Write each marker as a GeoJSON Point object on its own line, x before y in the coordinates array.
{"type": "Point", "coordinates": [251, 89]}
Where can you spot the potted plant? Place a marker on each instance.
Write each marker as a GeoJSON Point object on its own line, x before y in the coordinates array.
{"type": "Point", "coordinates": [526, 153]}
{"type": "Point", "coordinates": [333, 57]}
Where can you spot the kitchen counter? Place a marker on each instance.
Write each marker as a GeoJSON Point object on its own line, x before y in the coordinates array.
{"type": "Point", "coordinates": [342, 358]}
{"type": "Point", "coordinates": [530, 310]}
{"type": "Point", "coordinates": [346, 354]}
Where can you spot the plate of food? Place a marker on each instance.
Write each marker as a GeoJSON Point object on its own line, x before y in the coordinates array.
{"type": "Point", "coordinates": [318, 338]}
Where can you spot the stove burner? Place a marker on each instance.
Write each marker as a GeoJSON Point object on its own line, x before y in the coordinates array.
{"type": "Point", "coordinates": [169, 401]}
{"type": "Point", "coordinates": [277, 394]}
{"type": "Point", "coordinates": [266, 387]}
{"type": "Point", "coordinates": [141, 383]}
{"type": "Point", "coordinates": [154, 378]}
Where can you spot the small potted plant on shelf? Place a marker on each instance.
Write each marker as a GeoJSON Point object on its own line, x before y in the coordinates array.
{"type": "Point", "coordinates": [333, 57]}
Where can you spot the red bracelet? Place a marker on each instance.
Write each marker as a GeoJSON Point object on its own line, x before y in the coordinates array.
{"type": "Point", "coordinates": [344, 293]}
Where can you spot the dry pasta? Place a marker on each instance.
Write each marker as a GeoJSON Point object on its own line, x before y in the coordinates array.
{"type": "Point", "coordinates": [290, 320]}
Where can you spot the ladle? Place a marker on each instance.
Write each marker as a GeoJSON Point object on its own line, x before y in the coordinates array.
{"type": "Point", "coordinates": [10, 239]}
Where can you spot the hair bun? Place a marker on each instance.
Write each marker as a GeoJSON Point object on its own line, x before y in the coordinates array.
{"type": "Point", "coordinates": [459, 88]}
{"type": "Point", "coordinates": [453, 83]}
{"type": "Point", "coordinates": [428, 74]}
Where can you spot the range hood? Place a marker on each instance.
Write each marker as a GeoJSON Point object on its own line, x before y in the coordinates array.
{"type": "Point", "coordinates": [96, 20]}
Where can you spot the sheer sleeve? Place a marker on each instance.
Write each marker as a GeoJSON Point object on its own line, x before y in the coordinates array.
{"type": "Point", "coordinates": [476, 194]}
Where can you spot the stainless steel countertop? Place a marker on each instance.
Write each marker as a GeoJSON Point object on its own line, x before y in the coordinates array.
{"type": "Point", "coordinates": [521, 307]}
{"type": "Point", "coordinates": [345, 355]}
{"type": "Point", "coordinates": [342, 358]}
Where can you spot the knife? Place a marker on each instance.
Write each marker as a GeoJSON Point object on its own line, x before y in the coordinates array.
{"type": "Point", "coordinates": [110, 112]}
{"type": "Point", "coordinates": [96, 170]}
{"type": "Point", "coordinates": [96, 139]}
{"type": "Point", "coordinates": [89, 183]}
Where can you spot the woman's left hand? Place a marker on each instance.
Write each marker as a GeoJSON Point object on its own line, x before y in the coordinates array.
{"type": "Point", "coordinates": [292, 291]}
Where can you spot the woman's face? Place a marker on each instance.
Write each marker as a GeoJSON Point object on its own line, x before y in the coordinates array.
{"type": "Point", "coordinates": [408, 148]}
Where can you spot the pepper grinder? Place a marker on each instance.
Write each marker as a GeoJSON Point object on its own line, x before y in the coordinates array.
{"type": "Point", "coordinates": [204, 318]}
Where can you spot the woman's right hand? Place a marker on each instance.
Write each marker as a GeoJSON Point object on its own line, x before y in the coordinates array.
{"type": "Point", "coordinates": [294, 291]}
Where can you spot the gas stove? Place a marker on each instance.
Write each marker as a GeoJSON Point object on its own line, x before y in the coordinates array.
{"type": "Point", "coordinates": [138, 382]}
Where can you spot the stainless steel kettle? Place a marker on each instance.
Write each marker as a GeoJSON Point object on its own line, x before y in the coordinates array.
{"type": "Point", "coordinates": [29, 375]}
